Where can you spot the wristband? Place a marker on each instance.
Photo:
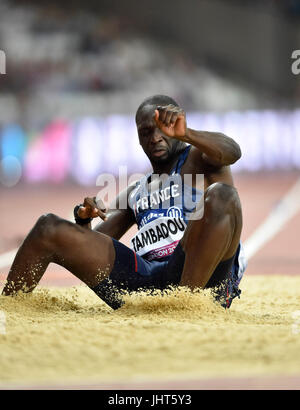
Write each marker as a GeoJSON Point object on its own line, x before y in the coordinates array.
{"type": "Point", "coordinates": [78, 220]}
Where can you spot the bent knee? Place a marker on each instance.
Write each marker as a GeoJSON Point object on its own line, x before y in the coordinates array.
{"type": "Point", "coordinates": [222, 197]}
{"type": "Point", "coordinates": [46, 220]}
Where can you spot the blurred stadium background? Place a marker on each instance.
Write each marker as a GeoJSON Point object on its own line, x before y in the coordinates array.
{"type": "Point", "coordinates": [76, 72]}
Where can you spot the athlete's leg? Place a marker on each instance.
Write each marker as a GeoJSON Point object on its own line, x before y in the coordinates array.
{"type": "Point", "coordinates": [87, 254]}
{"type": "Point", "coordinates": [213, 238]}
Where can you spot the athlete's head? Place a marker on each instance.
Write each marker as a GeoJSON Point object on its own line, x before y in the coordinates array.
{"type": "Point", "coordinates": [157, 146]}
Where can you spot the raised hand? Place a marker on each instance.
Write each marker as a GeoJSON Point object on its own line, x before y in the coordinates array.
{"type": "Point", "coordinates": [171, 120]}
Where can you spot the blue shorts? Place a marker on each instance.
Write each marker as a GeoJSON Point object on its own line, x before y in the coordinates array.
{"type": "Point", "coordinates": [132, 273]}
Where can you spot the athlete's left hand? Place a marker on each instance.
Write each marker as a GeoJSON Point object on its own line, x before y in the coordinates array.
{"type": "Point", "coordinates": [171, 121]}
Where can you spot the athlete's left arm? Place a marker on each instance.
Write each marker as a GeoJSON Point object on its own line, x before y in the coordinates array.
{"type": "Point", "coordinates": [214, 148]}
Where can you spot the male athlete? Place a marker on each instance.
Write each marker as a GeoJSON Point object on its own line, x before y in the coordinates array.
{"type": "Point", "coordinates": [177, 244]}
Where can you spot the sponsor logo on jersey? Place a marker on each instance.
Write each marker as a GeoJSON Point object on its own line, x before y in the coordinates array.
{"type": "Point", "coordinates": [174, 212]}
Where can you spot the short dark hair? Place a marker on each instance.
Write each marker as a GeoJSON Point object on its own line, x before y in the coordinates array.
{"type": "Point", "coordinates": [157, 99]}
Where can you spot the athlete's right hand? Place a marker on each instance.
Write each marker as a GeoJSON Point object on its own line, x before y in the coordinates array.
{"type": "Point", "coordinates": [92, 208]}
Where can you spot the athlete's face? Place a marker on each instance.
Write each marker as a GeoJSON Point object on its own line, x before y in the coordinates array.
{"type": "Point", "coordinates": [157, 146]}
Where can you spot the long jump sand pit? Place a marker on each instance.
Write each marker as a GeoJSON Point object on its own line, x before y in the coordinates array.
{"type": "Point", "coordinates": [68, 337]}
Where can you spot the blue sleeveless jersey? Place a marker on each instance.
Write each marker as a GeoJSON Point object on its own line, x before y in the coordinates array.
{"type": "Point", "coordinates": [162, 208]}
{"type": "Point", "coordinates": [162, 213]}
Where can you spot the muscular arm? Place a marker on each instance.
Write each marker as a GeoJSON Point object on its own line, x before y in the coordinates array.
{"type": "Point", "coordinates": [214, 148]}
{"type": "Point", "coordinates": [211, 153]}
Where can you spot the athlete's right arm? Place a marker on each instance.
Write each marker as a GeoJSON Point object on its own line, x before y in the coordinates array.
{"type": "Point", "coordinates": [117, 220]}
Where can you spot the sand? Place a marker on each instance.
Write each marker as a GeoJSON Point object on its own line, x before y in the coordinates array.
{"type": "Point", "coordinates": [68, 335]}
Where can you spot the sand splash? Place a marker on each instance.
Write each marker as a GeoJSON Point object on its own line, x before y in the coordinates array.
{"type": "Point", "coordinates": [68, 335]}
